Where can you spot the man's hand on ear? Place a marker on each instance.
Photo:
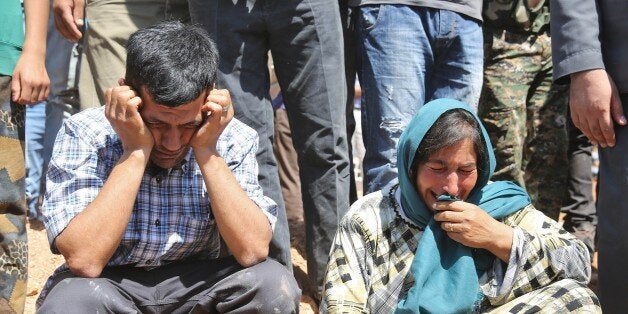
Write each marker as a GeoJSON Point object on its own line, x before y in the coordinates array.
{"type": "Point", "coordinates": [122, 105]}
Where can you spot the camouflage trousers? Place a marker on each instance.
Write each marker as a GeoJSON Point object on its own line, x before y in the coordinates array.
{"type": "Point", "coordinates": [13, 255]}
{"type": "Point", "coordinates": [525, 115]}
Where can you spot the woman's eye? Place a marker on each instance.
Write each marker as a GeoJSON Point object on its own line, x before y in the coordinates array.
{"type": "Point", "coordinates": [436, 168]}
{"type": "Point", "coordinates": [467, 171]}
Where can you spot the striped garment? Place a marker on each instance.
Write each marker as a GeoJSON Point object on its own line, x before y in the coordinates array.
{"type": "Point", "coordinates": [369, 267]}
{"type": "Point", "coordinates": [172, 218]}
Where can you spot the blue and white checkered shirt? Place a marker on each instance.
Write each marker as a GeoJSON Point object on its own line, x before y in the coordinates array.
{"type": "Point", "coordinates": [172, 218]}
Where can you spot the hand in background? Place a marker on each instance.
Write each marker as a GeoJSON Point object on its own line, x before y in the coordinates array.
{"type": "Point", "coordinates": [30, 82]}
{"type": "Point", "coordinates": [594, 103]}
{"type": "Point", "coordinates": [69, 18]}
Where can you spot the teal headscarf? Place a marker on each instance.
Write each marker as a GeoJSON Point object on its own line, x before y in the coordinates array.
{"type": "Point", "coordinates": [445, 271]}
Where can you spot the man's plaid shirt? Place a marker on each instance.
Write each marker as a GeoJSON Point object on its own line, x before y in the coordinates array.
{"type": "Point", "coordinates": [172, 218]}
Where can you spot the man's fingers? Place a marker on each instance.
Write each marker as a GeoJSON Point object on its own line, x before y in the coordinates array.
{"type": "Point", "coordinates": [16, 88]}
{"type": "Point", "coordinates": [26, 93]}
{"type": "Point", "coordinates": [67, 26]}
{"type": "Point", "coordinates": [78, 12]}
{"type": "Point", "coordinates": [119, 98]}
{"type": "Point", "coordinates": [607, 132]}
{"type": "Point", "coordinates": [35, 94]}
{"type": "Point", "coordinates": [617, 110]}
{"type": "Point", "coordinates": [583, 126]}
{"type": "Point", "coordinates": [60, 27]}
{"type": "Point", "coordinates": [219, 96]}
{"type": "Point", "coordinates": [43, 94]}
{"type": "Point", "coordinates": [596, 128]}
{"type": "Point", "coordinates": [136, 102]}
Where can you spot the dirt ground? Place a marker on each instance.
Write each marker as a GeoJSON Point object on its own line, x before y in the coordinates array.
{"type": "Point", "coordinates": [42, 263]}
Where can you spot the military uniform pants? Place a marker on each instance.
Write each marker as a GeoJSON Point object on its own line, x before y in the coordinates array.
{"type": "Point", "coordinates": [525, 115]}
{"type": "Point", "coordinates": [13, 245]}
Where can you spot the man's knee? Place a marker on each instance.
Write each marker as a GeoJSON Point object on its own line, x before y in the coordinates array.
{"type": "Point", "coordinates": [84, 295]}
{"type": "Point", "coordinates": [276, 289]}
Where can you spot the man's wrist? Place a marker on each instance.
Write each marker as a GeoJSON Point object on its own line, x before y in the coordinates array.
{"type": "Point", "coordinates": [141, 155]}
{"type": "Point", "coordinates": [204, 154]}
{"type": "Point", "coordinates": [583, 74]}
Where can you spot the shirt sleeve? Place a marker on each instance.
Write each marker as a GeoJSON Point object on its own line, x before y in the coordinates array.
{"type": "Point", "coordinates": [575, 37]}
{"type": "Point", "coordinates": [543, 252]}
{"type": "Point", "coordinates": [345, 288]}
{"type": "Point", "coordinates": [73, 179]}
{"type": "Point", "coordinates": [242, 143]}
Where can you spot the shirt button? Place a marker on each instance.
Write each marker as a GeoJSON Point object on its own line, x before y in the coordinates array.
{"type": "Point", "coordinates": [157, 222]}
{"type": "Point", "coordinates": [158, 179]}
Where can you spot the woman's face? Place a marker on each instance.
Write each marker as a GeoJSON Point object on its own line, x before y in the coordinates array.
{"type": "Point", "coordinates": [450, 170]}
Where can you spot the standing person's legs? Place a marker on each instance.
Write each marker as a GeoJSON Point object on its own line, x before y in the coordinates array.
{"type": "Point", "coordinates": [347, 20]}
{"type": "Point", "coordinates": [394, 54]}
{"type": "Point", "coordinates": [288, 166]}
{"type": "Point", "coordinates": [13, 244]}
{"type": "Point", "coordinates": [545, 161]}
{"type": "Point", "coordinates": [109, 25]}
{"type": "Point", "coordinates": [503, 100]}
{"type": "Point", "coordinates": [241, 40]}
{"type": "Point", "coordinates": [35, 133]}
{"type": "Point", "coordinates": [312, 78]}
{"type": "Point", "coordinates": [578, 206]}
{"type": "Point", "coordinates": [206, 286]}
{"type": "Point", "coordinates": [62, 63]}
{"type": "Point", "coordinates": [613, 222]}
{"type": "Point", "coordinates": [458, 51]}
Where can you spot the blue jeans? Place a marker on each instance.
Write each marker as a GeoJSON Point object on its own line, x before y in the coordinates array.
{"type": "Point", "coordinates": [43, 120]}
{"type": "Point", "coordinates": [407, 56]}
{"type": "Point", "coordinates": [305, 38]}
{"type": "Point", "coordinates": [35, 132]}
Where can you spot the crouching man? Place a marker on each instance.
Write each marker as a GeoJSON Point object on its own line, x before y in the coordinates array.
{"type": "Point", "coordinates": [153, 199]}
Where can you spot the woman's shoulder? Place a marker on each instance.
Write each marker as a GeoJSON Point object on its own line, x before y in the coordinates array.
{"type": "Point", "coordinates": [530, 218]}
{"type": "Point", "coordinates": [374, 210]}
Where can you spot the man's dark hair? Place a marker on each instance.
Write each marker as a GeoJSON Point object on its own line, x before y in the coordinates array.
{"type": "Point", "coordinates": [173, 61]}
{"type": "Point", "coordinates": [450, 128]}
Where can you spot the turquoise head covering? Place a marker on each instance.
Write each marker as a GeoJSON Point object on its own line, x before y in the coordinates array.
{"type": "Point", "coordinates": [445, 271]}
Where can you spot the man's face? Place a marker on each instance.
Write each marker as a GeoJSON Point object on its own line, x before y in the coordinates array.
{"type": "Point", "coordinates": [172, 128]}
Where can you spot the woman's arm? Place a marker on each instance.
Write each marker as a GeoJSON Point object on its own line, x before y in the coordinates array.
{"type": "Point", "coordinates": [345, 289]}
{"type": "Point", "coordinates": [543, 253]}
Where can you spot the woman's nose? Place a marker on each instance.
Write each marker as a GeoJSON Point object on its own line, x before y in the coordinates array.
{"type": "Point", "coordinates": [451, 183]}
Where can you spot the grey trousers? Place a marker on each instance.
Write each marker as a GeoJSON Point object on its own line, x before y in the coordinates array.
{"type": "Point", "coordinates": [612, 228]}
{"type": "Point", "coordinates": [578, 205]}
{"type": "Point", "coordinates": [208, 286]}
{"type": "Point", "coordinates": [305, 38]}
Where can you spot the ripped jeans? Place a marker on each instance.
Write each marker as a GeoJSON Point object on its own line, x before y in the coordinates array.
{"type": "Point", "coordinates": [409, 55]}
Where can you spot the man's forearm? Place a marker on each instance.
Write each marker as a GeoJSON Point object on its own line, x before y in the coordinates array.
{"type": "Point", "coordinates": [92, 237]}
{"type": "Point", "coordinates": [241, 223]}
{"type": "Point", "coordinates": [36, 27]}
